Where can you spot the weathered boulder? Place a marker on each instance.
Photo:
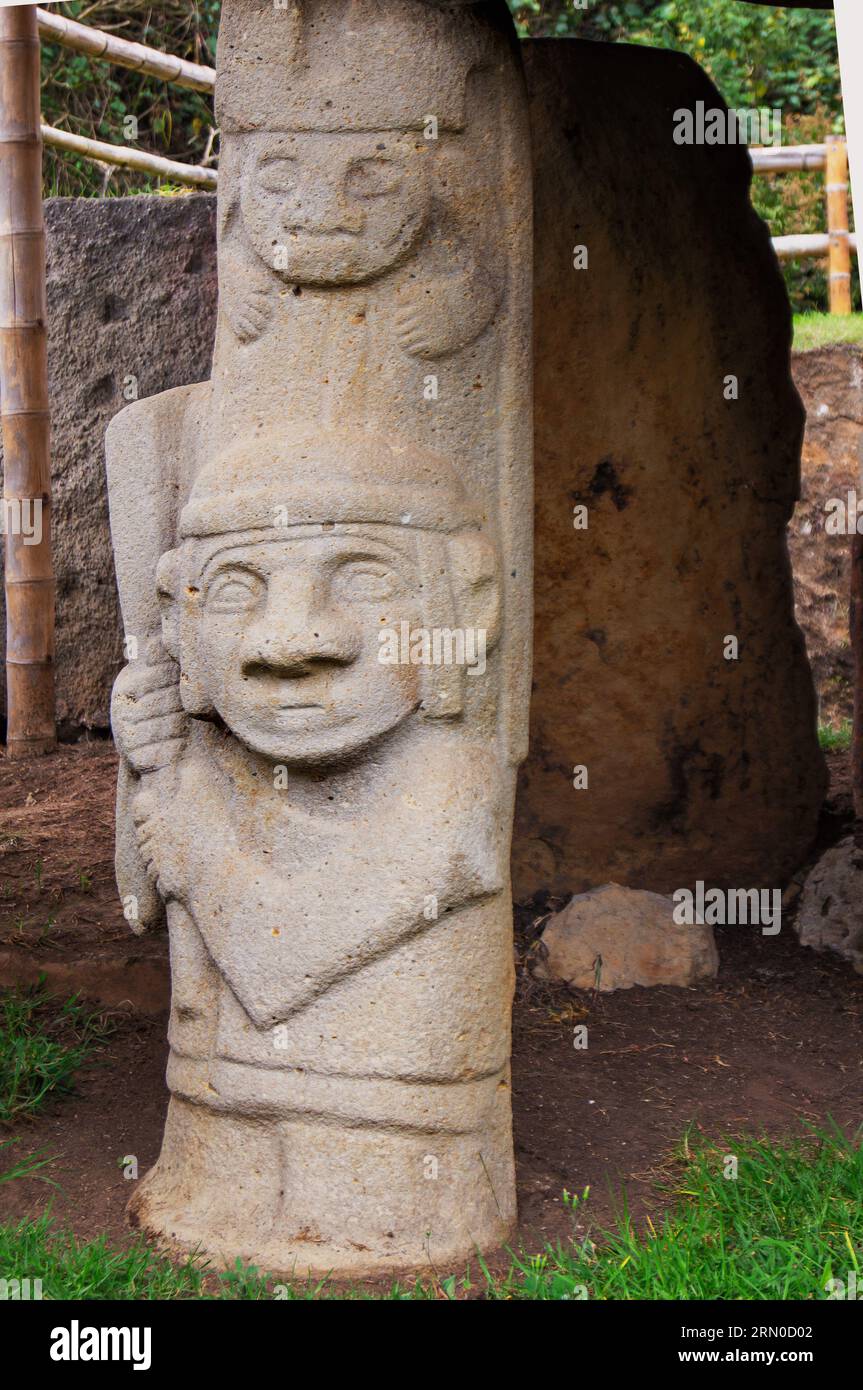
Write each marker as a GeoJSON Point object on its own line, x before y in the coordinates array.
{"type": "Point", "coordinates": [131, 294]}
{"type": "Point", "coordinates": [698, 766]}
{"type": "Point", "coordinates": [614, 938]}
{"type": "Point", "coordinates": [830, 916]}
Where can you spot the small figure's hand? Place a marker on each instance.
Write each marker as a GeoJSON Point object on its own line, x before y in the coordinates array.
{"type": "Point", "coordinates": [160, 838]}
{"type": "Point", "coordinates": [438, 316]}
{"type": "Point", "coordinates": [249, 310]}
{"type": "Point", "coordinates": [147, 716]}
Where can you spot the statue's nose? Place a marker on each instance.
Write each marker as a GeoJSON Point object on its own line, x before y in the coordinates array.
{"type": "Point", "coordinates": [297, 630]}
{"type": "Point", "coordinates": [320, 207]}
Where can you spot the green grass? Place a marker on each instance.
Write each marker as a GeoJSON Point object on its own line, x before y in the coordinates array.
{"type": "Point", "coordinates": [791, 1220]}
{"type": "Point", "coordinates": [42, 1045]}
{"type": "Point", "coordinates": [832, 739]}
{"type": "Point", "coordinates": [820, 330]}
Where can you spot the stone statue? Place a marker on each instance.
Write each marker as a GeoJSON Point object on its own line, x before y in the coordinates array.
{"type": "Point", "coordinates": [323, 576]}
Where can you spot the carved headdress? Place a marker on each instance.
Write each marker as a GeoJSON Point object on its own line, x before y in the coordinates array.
{"type": "Point", "coordinates": [273, 478]}
{"type": "Point", "coordinates": [376, 65]}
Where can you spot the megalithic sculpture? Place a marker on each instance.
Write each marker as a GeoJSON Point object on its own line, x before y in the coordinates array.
{"type": "Point", "coordinates": [324, 559]}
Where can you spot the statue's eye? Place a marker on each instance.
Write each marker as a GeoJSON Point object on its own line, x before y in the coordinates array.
{"type": "Point", "coordinates": [278, 175]}
{"type": "Point", "coordinates": [373, 178]}
{"type": "Point", "coordinates": [235, 591]}
{"type": "Point", "coordinates": [366, 582]}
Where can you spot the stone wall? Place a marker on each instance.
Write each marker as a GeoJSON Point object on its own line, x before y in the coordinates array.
{"type": "Point", "coordinates": [131, 293]}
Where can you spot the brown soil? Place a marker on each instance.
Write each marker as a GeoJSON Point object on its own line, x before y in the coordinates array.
{"type": "Point", "coordinates": [829, 381]}
{"type": "Point", "coordinates": [773, 1041]}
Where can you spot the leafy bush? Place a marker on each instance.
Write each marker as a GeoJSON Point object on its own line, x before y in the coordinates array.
{"type": "Point", "coordinates": [93, 98]}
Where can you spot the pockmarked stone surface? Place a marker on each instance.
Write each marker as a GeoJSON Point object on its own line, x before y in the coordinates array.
{"type": "Point", "coordinates": [830, 915]}
{"type": "Point", "coordinates": [324, 555]}
{"type": "Point", "coordinates": [131, 312]}
{"type": "Point", "coordinates": [614, 938]}
{"type": "Point", "coordinates": [663, 493]}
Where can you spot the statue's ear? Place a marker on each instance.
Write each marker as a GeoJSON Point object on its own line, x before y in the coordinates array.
{"type": "Point", "coordinates": [167, 590]}
{"type": "Point", "coordinates": [473, 571]}
{"type": "Point", "coordinates": [173, 599]}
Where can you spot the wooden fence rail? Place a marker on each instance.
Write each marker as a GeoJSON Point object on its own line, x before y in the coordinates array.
{"type": "Point", "coordinates": [112, 49]}
{"type": "Point", "coordinates": [127, 158]}
{"type": "Point", "coordinates": [837, 243]}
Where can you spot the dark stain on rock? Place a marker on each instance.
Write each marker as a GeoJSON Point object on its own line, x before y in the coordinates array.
{"type": "Point", "coordinates": [114, 310]}
{"type": "Point", "coordinates": [690, 768]}
{"type": "Point", "coordinates": [605, 480]}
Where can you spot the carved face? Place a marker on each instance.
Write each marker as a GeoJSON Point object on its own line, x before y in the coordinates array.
{"type": "Point", "coordinates": [286, 640]}
{"type": "Point", "coordinates": [327, 209]}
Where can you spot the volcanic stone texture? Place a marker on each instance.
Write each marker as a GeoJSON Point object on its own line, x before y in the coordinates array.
{"type": "Point", "coordinates": [131, 293]}
{"type": "Point", "coordinates": [698, 766]}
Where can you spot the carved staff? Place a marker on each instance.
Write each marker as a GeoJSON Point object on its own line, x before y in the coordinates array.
{"type": "Point", "coordinates": [24, 394]}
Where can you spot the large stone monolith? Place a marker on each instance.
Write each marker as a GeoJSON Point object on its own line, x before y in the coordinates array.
{"type": "Point", "coordinates": [323, 556]}
{"type": "Point", "coordinates": [673, 729]}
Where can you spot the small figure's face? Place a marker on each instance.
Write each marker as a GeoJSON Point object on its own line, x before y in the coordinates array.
{"type": "Point", "coordinates": [326, 209]}
{"type": "Point", "coordinates": [286, 640]}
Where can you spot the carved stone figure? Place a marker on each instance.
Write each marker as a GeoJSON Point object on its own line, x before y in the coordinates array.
{"type": "Point", "coordinates": [325, 599]}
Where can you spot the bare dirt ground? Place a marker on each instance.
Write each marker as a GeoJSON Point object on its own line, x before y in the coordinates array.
{"type": "Point", "coordinates": [773, 1042]}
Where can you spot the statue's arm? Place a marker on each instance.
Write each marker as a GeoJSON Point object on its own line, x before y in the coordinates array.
{"type": "Point", "coordinates": [142, 457]}
{"type": "Point", "coordinates": [452, 300]}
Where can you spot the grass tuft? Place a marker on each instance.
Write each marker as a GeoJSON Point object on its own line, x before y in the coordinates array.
{"type": "Point", "coordinates": [42, 1045]}
{"type": "Point", "coordinates": [834, 740]}
{"type": "Point", "coordinates": [823, 330]}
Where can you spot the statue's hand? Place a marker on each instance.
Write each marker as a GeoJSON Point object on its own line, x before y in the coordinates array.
{"type": "Point", "coordinates": [440, 315]}
{"type": "Point", "coordinates": [147, 716]}
{"type": "Point", "coordinates": [160, 839]}
{"type": "Point", "coordinates": [249, 310]}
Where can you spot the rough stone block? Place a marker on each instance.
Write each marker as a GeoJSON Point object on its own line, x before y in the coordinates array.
{"type": "Point", "coordinates": [131, 293]}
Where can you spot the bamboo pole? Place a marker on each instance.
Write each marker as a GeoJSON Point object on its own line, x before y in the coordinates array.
{"type": "Point", "coordinates": [24, 416]}
{"type": "Point", "coordinates": [803, 245]}
{"type": "Point", "coordinates": [153, 164]}
{"type": "Point", "coordinates": [767, 160]}
{"type": "Point", "coordinates": [837, 225]}
{"type": "Point", "coordinates": [137, 56]}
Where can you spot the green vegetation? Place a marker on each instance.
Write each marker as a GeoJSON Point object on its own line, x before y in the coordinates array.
{"type": "Point", "coordinates": [74, 1269]}
{"type": "Point", "coordinates": [820, 330]}
{"type": "Point", "coordinates": [789, 1220]}
{"type": "Point", "coordinates": [94, 98]}
{"type": "Point", "coordinates": [42, 1045]}
{"type": "Point", "coordinates": [832, 740]}
{"type": "Point", "coordinates": [756, 57]}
